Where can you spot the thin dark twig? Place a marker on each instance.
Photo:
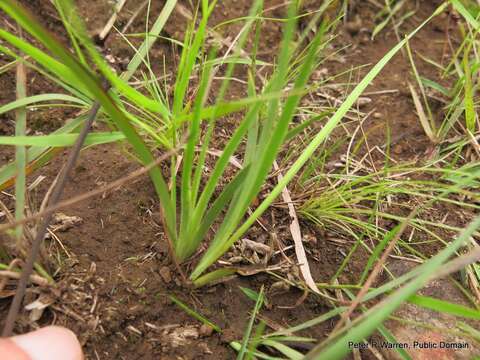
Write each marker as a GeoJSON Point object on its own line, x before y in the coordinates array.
{"type": "Point", "coordinates": [54, 199]}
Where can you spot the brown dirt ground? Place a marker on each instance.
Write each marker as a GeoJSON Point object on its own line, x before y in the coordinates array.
{"type": "Point", "coordinates": [111, 291]}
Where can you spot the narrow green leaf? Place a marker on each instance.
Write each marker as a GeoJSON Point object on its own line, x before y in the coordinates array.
{"type": "Point", "coordinates": [470, 116]}
{"type": "Point", "coordinates": [49, 63]}
{"type": "Point", "coordinates": [444, 307]}
{"type": "Point", "coordinates": [214, 276]}
{"type": "Point", "coordinates": [61, 140]}
{"type": "Point", "coordinates": [251, 294]}
{"type": "Point", "coordinates": [284, 349]}
{"type": "Point", "coordinates": [200, 230]}
{"type": "Point", "coordinates": [116, 81]}
{"type": "Point", "coordinates": [248, 331]}
{"type": "Point", "coordinates": [194, 314]}
{"type": "Point", "coordinates": [150, 39]}
{"type": "Point", "coordinates": [37, 156]}
{"type": "Point", "coordinates": [35, 99]}
{"type": "Point", "coordinates": [377, 251]}
{"type": "Point", "coordinates": [466, 14]}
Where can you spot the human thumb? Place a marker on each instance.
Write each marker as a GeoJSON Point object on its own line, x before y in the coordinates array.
{"type": "Point", "coordinates": [49, 343]}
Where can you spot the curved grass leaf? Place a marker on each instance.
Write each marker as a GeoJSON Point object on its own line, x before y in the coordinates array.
{"type": "Point", "coordinates": [117, 82]}
{"type": "Point", "coordinates": [61, 140]}
{"type": "Point", "coordinates": [37, 156]}
{"type": "Point", "coordinates": [49, 63]}
{"type": "Point", "coordinates": [35, 99]}
{"type": "Point", "coordinates": [446, 307]}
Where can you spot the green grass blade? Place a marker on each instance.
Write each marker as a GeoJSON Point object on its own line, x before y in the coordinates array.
{"type": "Point", "coordinates": [35, 99]}
{"type": "Point", "coordinates": [194, 314]}
{"type": "Point", "coordinates": [61, 140]}
{"type": "Point", "coordinates": [212, 214]}
{"type": "Point", "coordinates": [444, 307]}
{"type": "Point", "coordinates": [259, 355]}
{"type": "Point", "coordinates": [67, 21]}
{"type": "Point", "coordinates": [117, 82]}
{"type": "Point", "coordinates": [147, 44]}
{"type": "Point", "coordinates": [44, 72]}
{"type": "Point", "coordinates": [37, 156]}
{"type": "Point", "coordinates": [214, 276]}
{"type": "Point", "coordinates": [236, 138]}
{"type": "Point", "coordinates": [466, 14]}
{"type": "Point", "coordinates": [378, 251]}
{"type": "Point", "coordinates": [248, 330]}
{"type": "Point", "coordinates": [310, 323]}
{"type": "Point", "coordinates": [284, 349]}
{"type": "Point", "coordinates": [188, 61]}
{"type": "Point", "coordinates": [223, 108]}
{"type": "Point", "coordinates": [469, 103]}
{"type": "Point", "coordinates": [188, 244]}
{"type": "Point", "coordinates": [49, 63]}
{"type": "Point", "coordinates": [256, 340]}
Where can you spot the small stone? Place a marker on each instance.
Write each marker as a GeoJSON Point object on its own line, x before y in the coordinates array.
{"type": "Point", "coordinates": [235, 259]}
{"type": "Point", "coordinates": [309, 238]}
{"type": "Point", "coordinates": [180, 336]}
{"type": "Point", "coordinates": [398, 149]}
{"type": "Point", "coordinates": [279, 287]}
{"type": "Point", "coordinates": [257, 247]}
{"type": "Point", "coordinates": [205, 349]}
{"type": "Point", "coordinates": [62, 222]}
{"type": "Point", "coordinates": [363, 101]}
{"type": "Point", "coordinates": [364, 39]}
{"type": "Point", "coordinates": [377, 115]}
{"type": "Point", "coordinates": [166, 274]}
{"type": "Point", "coordinates": [353, 27]}
{"type": "Point", "coordinates": [110, 58]}
{"type": "Point", "coordinates": [206, 330]}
